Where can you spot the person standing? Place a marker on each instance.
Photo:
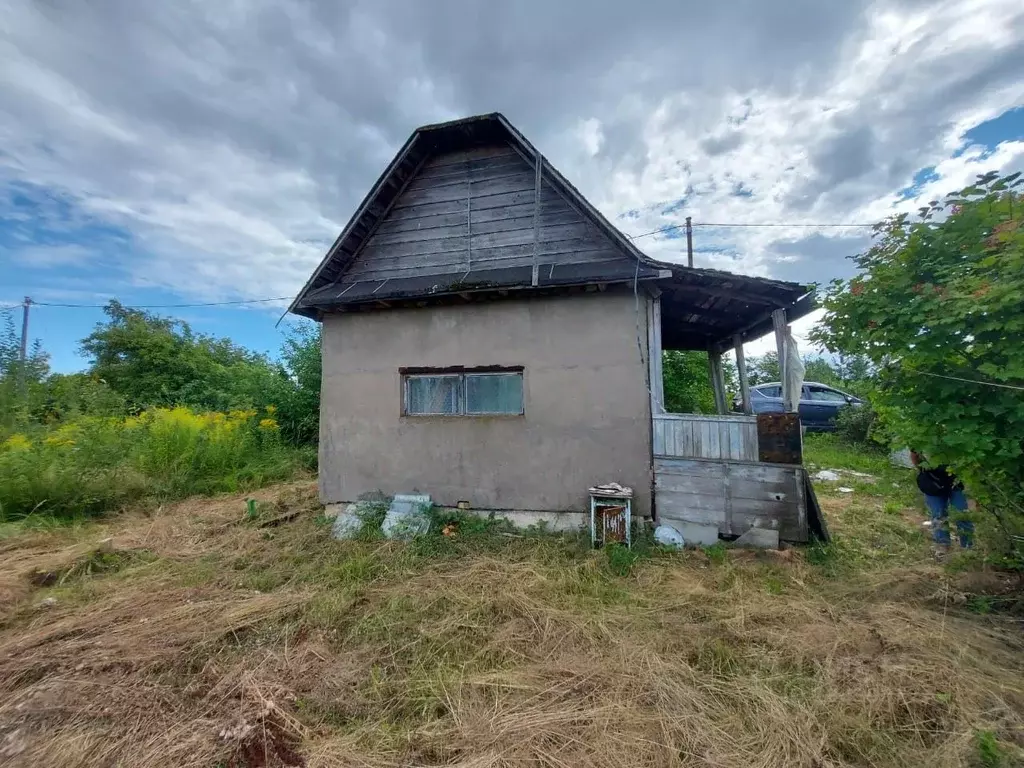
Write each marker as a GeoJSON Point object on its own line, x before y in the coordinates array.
{"type": "Point", "coordinates": [941, 490]}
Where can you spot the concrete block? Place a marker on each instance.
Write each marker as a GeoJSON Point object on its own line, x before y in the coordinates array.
{"type": "Point", "coordinates": [759, 538]}
{"type": "Point", "coordinates": [694, 533]}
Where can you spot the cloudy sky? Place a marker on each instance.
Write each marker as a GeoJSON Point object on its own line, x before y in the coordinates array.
{"type": "Point", "coordinates": [185, 152]}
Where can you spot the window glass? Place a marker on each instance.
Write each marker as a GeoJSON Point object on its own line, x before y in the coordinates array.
{"type": "Point", "coordinates": [821, 395]}
{"type": "Point", "coordinates": [494, 393]}
{"type": "Point", "coordinates": [775, 391]}
{"type": "Point", "coordinates": [435, 395]}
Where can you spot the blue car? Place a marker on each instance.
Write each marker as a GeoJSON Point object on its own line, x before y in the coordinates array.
{"type": "Point", "coordinates": [819, 404]}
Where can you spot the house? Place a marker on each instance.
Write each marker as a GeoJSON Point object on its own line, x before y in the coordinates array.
{"type": "Point", "coordinates": [490, 338]}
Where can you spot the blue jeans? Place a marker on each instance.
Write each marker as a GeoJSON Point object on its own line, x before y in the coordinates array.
{"type": "Point", "coordinates": [938, 506]}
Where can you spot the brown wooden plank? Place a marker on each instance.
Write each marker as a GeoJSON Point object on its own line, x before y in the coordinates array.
{"type": "Point", "coordinates": [412, 218]}
{"type": "Point", "coordinates": [424, 253]}
{"type": "Point", "coordinates": [472, 168]}
{"type": "Point", "coordinates": [567, 252]}
{"type": "Point", "coordinates": [396, 223]}
{"type": "Point", "coordinates": [456, 226]}
{"type": "Point", "coordinates": [491, 175]}
{"type": "Point", "coordinates": [415, 248]}
{"type": "Point", "coordinates": [470, 155]}
{"type": "Point", "coordinates": [580, 231]}
{"type": "Point", "coordinates": [438, 194]}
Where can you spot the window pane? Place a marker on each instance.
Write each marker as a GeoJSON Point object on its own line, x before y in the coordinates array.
{"type": "Point", "coordinates": [494, 393]}
{"type": "Point", "coordinates": [432, 394]}
{"type": "Point", "coordinates": [827, 395]}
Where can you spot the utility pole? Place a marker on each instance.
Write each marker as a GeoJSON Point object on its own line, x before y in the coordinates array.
{"type": "Point", "coordinates": [689, 243]}
{"type": "Point", "coordinates": [23, 352]}
{"type": "Point", "coordinates": [24, 331]}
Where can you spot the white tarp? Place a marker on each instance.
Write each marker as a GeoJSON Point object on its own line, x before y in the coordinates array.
{"type": "Point", "coordinates": [794, 373]}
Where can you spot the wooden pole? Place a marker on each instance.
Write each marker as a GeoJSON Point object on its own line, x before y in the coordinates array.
{"type": "Point", "coordinates": [717, 380]}
{"type": "Point", "coordinates": [741, 368]}
{"type": "Point", "coordinates": [689, 242]}
{"type": "Point", "coordinates": [655, 374]}
{"type": "Point", "coordinates": [779, 321]}
{"type": "Point", "coordinates": [23, 351]}
{"type": "Point", "coordinates": [535, 278]}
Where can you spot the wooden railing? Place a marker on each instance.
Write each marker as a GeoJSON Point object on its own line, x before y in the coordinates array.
{"type": "Point", "coordinates": [690, 436]}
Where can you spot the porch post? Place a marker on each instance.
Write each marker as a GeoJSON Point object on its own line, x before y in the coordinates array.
{"type": "Point", "coordinates": [741, 368]}
{"type": "Point", "coordinates": [655, 377]}
{"type": "Point", "coordinates": [717, 380]}
{"type": "Point", "coordinates": [779, 321]}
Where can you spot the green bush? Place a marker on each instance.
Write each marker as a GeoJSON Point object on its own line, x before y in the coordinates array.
{"type": "Point", "coordinates": [936, 308]}
{"type": "Point", "coordinates": [93, 464]}
{"type": "Point", "coordinates": [855, 424]}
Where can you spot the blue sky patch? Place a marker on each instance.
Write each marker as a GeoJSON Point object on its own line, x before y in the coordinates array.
{"type": "Point", "coordinates": [922, 177]}
{"type": "Point", "coordinates": [1009, 126]}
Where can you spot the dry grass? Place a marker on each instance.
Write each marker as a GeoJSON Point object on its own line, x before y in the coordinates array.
{"type": "Point", "coordinates": [194, 639]}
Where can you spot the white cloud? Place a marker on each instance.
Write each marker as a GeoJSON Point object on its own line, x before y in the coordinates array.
{"type": "Point", "coordinates": [233, 141]}
{"type": "Point", "coordinates": [54, 255]}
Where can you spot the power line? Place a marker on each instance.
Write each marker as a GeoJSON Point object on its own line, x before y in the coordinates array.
{"type": "Point", "coordinates": [969, 381]}
{"type": "Point", "coordinates": [165, 306]}
{"type": "Point", "coordinates": [671, 227]}
{"type": "Point", "coordinates": [784, 224]}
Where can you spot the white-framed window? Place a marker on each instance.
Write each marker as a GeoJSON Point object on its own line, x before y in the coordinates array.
{"type": "Point", "coordinates": [446, 392]}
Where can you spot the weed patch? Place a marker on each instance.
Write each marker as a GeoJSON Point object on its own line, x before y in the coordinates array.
{"type": "Point", "coordinates": [96, 464]}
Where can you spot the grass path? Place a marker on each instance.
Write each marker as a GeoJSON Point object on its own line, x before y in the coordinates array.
{"type": "Point", "coordinates": [188, 636]}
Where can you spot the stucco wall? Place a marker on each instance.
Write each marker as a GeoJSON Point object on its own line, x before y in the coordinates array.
{"type": "Point", "coordinates": [587, 408]}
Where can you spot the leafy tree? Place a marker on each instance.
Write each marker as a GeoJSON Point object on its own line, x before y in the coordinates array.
{"type": "Point", "coordinates": [64, 396]}
{"type": "Point", "coordinates": [152, 360]}
{"type": "Point", "coordinates": [19, 382]}
{"type": "Point", "coordinates": [763, 369]}
{"type": "Point", "coordinates": [819, 369]}
{"type": "Point", "coordinates": [686, 377]}
{"type": "Point", "coordinates": [856, 373]}
{"type": "Point", "coordinates": [687, 383]}
{"type": "Point", "coordinates": [300, 407]}
{"type": "Point", "coordinates": [937, 309]}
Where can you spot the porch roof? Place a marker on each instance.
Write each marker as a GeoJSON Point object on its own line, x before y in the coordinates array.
{"type": "Point", "coordinates": [706, 309]}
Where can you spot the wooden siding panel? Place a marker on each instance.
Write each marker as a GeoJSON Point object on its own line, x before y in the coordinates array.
{"type": "Point", "coordinates": [709, 437]}
{"type": "Point", "coordinates": [471, 155]}
{"type": "Point", "coordinates": [414, 217]}
{"type": "Point", "coordinates": [735, 496]}
{"type": "Point", "coordinates": [479, 178]}
{"type": "Point", "coordinates": [519, 182]}
{"type": "Point", "coordinates": [475, 209]}
{"type": "Point", "coordinates": [471, 169]}
{"type": "Point", "coordinates": [566, 252]}
{"type": "Point", "coordinates": [459, 222]}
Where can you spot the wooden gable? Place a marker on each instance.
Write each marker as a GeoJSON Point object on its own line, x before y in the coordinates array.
{"type": "Point", "coordinates": [474, 209]}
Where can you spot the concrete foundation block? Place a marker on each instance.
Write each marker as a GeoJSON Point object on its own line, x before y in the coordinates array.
{"type": "Point", "coordinates": [759, 538]}
{"type": "Point", "coordinates": [696, 534]}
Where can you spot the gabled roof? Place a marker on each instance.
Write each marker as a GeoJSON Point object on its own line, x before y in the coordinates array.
{"type": "Point", "coordinates": [713, 305]}
{"type": "Point", "coordinates": [426, 141]}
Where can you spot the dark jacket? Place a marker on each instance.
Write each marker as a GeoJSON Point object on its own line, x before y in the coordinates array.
{"type": "Point", "coordinates": [938, 481]}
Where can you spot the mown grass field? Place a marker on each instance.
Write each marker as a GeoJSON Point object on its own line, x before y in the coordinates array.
{"type": "Point", "coordinates": [190, 635]}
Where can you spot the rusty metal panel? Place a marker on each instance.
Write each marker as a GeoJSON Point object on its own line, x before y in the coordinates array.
{"type": "Point", "coordinates": [613, 526]}
{"type": "Point", "coordinates": [778, 438]}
